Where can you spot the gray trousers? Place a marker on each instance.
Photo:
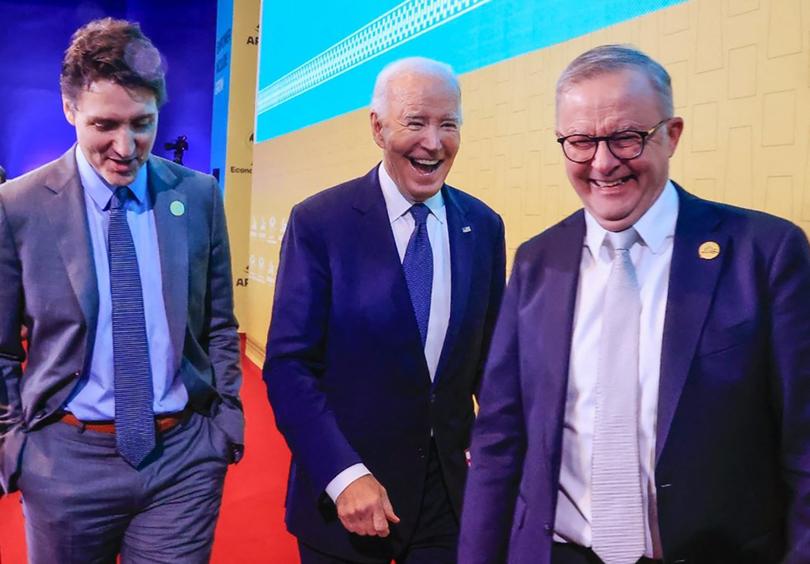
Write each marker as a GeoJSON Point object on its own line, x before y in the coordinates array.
{"type": "Point", "coordinates": [83, 504]}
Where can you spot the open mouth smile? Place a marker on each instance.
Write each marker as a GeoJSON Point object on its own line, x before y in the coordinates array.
{"type": "Point", "coordinates": [425, 166]}
{"type": "Point", "coordinates": [608, 184]}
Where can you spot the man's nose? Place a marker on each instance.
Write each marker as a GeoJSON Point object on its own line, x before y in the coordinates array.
{"type": "Point", "coordinates": [603, 160]}
{"type": "Point", "coordinates": [124, 142]}
{"type": "Point", "coordinates": [432, 140]}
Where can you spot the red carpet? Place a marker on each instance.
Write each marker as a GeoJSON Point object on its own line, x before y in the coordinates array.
{"type": "Point", "coordinates": [251, 524]}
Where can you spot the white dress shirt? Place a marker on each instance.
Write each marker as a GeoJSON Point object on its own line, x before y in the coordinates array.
{"type": "Point", "coordinates": [651, 259]}
{"type": "Point", "coordinates": [402, 225]}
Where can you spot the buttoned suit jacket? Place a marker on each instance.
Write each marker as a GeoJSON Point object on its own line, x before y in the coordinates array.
{"type": "Point", "coordinates": [732, 457]}
{"type": "Point", "coordinates": [345, 368]}
{"type": "Point", "coordinates": [49, 286]}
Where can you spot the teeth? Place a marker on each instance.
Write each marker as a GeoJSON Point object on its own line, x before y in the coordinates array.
{"type": "Point", "coordinates": [426, 162]}
{"type": "Point", "coordinates": [609, 184]}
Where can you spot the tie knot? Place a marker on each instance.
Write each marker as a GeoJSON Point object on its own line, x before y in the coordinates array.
{"type": "Point", "coordinates": [420, 213]}
{"type": "Point", "coordinates": [120, 197]}
{"type": "Point", "coordinates": [622, 240]}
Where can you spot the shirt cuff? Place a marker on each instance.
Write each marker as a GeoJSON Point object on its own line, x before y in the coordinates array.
{"type": "Point", "coordinates": [342, 480]}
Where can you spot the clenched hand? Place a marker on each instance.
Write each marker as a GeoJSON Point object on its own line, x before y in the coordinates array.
{"type": "Point", "coordinates": [363, 508]}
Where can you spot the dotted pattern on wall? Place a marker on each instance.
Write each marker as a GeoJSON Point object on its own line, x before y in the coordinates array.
{"type": "Point", "coordinates": [399, 25]}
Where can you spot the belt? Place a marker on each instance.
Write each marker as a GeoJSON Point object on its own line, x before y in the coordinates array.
{"type": "Point", "coordinates": [569, 553]}
{"type": "Point", "coordinates": [163, 422]}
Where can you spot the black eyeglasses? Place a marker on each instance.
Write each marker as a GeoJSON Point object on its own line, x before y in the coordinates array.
{"type": "Point", "coordinates": [624, 145]}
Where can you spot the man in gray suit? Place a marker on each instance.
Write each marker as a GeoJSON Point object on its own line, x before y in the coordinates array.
{"type": "Point", "coordinates": [120, 428]}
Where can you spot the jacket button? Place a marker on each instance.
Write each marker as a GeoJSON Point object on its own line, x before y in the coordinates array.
{"type": "Point", "coordinates": [421, 453]}
{"type": "Point", "coordinates": [547, 528]}
{"type": "Point", "coordinates": [432, 397]}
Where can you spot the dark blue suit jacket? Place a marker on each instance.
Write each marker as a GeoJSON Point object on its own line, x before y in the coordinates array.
{"type": "Point", "coordinates": [345, 369]}
{"type": "Point", "coordinates": [733, 435]}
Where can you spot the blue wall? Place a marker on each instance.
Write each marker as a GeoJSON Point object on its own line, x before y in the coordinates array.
{"type": "Point", "coordinates": [35, 34]}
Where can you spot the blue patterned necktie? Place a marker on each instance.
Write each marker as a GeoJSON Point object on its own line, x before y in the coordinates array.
{"type": "Point", "coordinates": [418, 267]}
{"type": "Point", "coordinates": [134, 418]}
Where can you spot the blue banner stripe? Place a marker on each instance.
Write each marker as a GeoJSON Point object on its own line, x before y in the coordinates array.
{"type": "Point", "coordinates": [309, 74]}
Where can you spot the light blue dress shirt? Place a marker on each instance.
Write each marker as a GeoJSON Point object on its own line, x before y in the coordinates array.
{"type": "Point", "coordinates": [94, 397]}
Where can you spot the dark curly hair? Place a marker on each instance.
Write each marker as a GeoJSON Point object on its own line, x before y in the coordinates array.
{"type": "Point", "coordinates": [114, 50]}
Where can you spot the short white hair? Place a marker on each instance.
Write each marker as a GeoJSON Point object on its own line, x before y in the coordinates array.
{"type": "Point", "coordinates": [415, 65]}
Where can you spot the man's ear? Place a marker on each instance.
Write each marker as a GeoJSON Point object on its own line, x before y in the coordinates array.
{"type": "Point", "coordinates": [69, 109]}
{"type": "Point", "coordinates": [376, 129]}
{"type": "Point", "coordinates": [674, 130]}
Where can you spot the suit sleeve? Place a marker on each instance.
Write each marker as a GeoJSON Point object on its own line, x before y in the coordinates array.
{"type": "Point", "coordinates": [223, 339]}
{"type": "Point", "coordinates": [498, 443]}
{"type": "Point", "coordinates": [11, 350]}
{"type": "Point", "coordinates": [790, 333]}
{"type": "Point", "coordinates": [296, 351]}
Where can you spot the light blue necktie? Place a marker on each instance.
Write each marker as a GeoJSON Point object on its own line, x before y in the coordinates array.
{"type": "Point", "coordinates": [418, 267]}
{"type": "Point", "coordinates": [617, 514]}
{"type": "Point", "coordinates": [134, 418]}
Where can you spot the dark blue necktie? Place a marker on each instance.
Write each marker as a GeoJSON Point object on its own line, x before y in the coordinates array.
{"type": "Point", "coordinates": [418, 267]}
{"type": "Point", "coordinates": [134, 418]}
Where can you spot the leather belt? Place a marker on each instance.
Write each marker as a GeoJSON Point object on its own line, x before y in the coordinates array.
{"type": "Point", "coordinates": [163, 422]}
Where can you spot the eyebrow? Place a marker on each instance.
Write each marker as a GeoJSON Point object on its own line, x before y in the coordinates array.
{"type": "Point", "coordinates": [103, 119]}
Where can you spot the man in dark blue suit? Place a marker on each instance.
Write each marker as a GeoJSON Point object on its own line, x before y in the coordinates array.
{"type": "Point", "coordinates": [386, 297]}
{"type": "Point", "coordinates": [647, 397]}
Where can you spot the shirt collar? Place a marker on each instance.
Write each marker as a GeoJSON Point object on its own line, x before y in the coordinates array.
{"type": "Point", "coordinates": [398, 205]}
{"type": "Point", "coordinates": [97, 187]}
{"type": "Point", "coordinates": [654, 227]}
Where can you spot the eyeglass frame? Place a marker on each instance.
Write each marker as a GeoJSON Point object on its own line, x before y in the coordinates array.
{"type": "Point", "coordinates": [607, 138]}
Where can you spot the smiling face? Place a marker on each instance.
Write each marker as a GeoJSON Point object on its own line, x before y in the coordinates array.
{"type": "Point", "coordinates": [419, 132]}
{"type": "Point", "coordinates": [618, 192]}
{"type": "Point", "coordinates": [115, 128]}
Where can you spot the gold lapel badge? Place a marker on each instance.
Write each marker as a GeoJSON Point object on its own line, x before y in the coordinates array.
{"type": "Point", "coordinates": [708, 250]}
{"type": "Point", "coordinates": [177, 208]}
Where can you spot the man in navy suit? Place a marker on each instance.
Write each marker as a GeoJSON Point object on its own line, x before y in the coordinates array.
{"type": "Point", "coordinates": [386, 296]}
{"type": "Point", "coordinates": [680, 323]}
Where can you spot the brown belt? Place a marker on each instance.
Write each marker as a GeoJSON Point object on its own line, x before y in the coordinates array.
{"type": "Point", "coordinates": [162, 422]}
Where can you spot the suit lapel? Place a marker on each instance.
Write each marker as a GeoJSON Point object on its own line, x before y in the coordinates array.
{"type": "Point", "coordinates": [171, 223]}
{"type": "Point", "coordinates": [67, 214]}
{"type": "Point", "coordinates": [554, 333]}
{"type": "Point", "coordinates": [462, 236]}
{"type": "Point", "coordinates": [381, 259]}
{"type": "Point", "coordinates": [692, 282]}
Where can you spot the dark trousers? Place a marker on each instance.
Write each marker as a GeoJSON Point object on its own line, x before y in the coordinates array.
{"type": "Point", "coordinates": [83, 504]}
{"type": "Point", "coordinates": [566, 553]}
{"type": "Point", "coordinates": [435, 538]}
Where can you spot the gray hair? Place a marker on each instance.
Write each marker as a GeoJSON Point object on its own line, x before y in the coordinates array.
{"type": "Point", "coordinates": [607, 59]}
{"type": "Point", "coordinates": [416, 65]}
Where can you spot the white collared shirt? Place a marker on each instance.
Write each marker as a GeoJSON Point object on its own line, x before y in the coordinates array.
{"type": "Point", "coordinates": [402, 225]}
{"type": "Point", "coordinates": [651, 259]}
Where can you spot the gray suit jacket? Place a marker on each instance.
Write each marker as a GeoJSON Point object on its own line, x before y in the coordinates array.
{"type": "Point", "coordinates": [48, 285]}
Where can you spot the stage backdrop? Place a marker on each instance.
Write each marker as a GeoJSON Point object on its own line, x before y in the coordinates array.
{"type": "Point", "coordinates": [232, 127]}
{"type": "Point", "coordinates": [739, 67]}
{"type": "Point", "coordinates": [35, 34]}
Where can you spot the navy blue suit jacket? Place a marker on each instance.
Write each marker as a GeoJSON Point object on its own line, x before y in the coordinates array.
{"type": "Point", "coordinates": [733, 435]}
{"type": "Point", "coordinates": [345, 369]}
